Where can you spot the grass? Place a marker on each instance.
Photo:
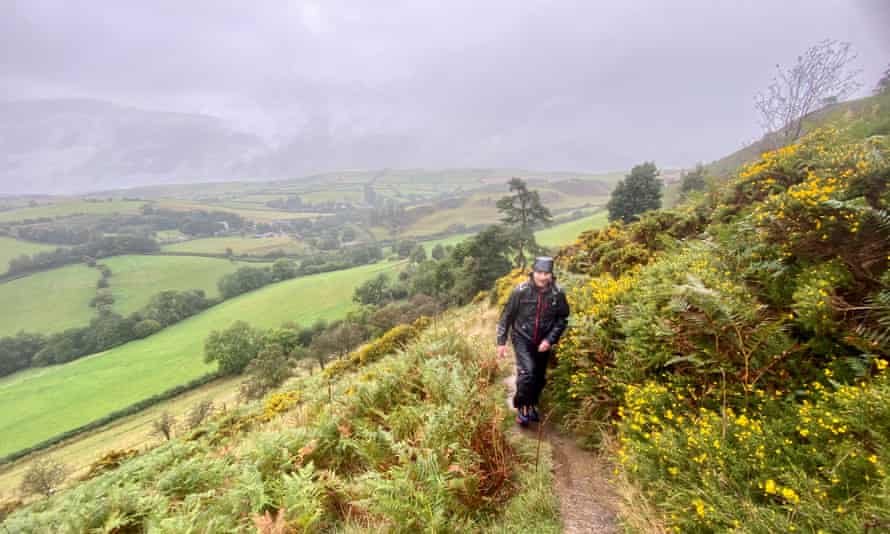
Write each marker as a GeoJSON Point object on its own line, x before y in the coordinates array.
{"type": "Point", "coordinates": [135, 279]}
{"type": "Point", "coordinates": [74, 207]}
{"type": "Point", "coordinates": [48, 301]}
{"type": "Point", "coordinates": [131, 432]}
{"type": "Point", "coordinates": [566, 233]}
{"type": "Point", "coordinates": [240, 245]}
{"type": "Point", "coordinates": [51, 400]}
{"type": "Point", "coordinates": [13, 248]}
{"type": "Point", "coordinates": [555, 236]}
{"type": "Point", "coordinates": [414, 442]}
{"type": "Point", "coordinates": [480, 208]}
{"type": "Point", "coordinates": [255, 214]}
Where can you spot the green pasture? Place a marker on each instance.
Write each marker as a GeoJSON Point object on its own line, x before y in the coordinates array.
{"type": "Point", "coordinates": [73, 207]}
{"type": "Point", "coordinates": [566, 233]}
{"type": "Point", "coordinates": [13, 248]}
{"type": "Point", "coordinates": [135, 279]}
{"type": "Point", "coordinates": [49, 401]}
{"type": "Point", "coordinates": [48, 301]}
{"type": "Point", "coordinates": [254, 214]}
{"type": "Point", "coordinates": [253, 246]}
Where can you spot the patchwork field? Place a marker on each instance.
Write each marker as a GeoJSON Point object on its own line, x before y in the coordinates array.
{"type": "Point", "coordinates": [51, 400]}
{"type": "Point", "coordinates": [48, 301]}
{"type": "Point", "coordinates": [253, 214]}
{"type": "Point", "coordinates": [135, 279]}
{"type": "Point", "coordinates": [12, 248]}
{"type": "Point", "coordinates": [253, 246]}
{"type": "Point", "coordinates": [61, 209]}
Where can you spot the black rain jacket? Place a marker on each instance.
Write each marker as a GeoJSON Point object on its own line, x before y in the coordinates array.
{"type": "Point", "coordinates": [534, 315]}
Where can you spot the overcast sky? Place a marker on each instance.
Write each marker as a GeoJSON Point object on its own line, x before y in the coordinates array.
{"type": "Point", "coordinates": [586, 86]}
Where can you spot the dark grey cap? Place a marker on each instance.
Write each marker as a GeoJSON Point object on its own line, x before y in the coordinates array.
{"type": "Point", "coordinates": [543, 264]}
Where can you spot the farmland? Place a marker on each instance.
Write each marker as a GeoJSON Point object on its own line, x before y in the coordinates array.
{"type": "Point", "coordinates": [253, 246]}
{"type": "Point", "coordinates": [136, 278]}
{"type": "Point", "coordinates": [12, 248]}
{"type": "Point", "coordinates": [92, 387]}
{"type": "Point", "coordinates": [73, 207]}
{"type": "Point", "coordinates": [565, 233]}
{"type": "Point", "coordinates": [49, 301]}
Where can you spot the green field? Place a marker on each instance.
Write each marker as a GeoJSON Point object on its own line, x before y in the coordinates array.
{"type": "Point", "coordinates": [135, 279]}
{"type": "Point", "coordinates": [255, 214]}
{"type": "Point", "coordinates": [13, 248]}
{"type": "Point", "coordinates": [254, 246]}
{"type": "Point", "coordinates": [566, 233]}
{"type": "Point", "coordinates": [48, 301]}
{"type": "Point", "coordinates": [61, 209]}
{"type": "Point", "coordinates": [131, 432]}
{"type": "Point", "coordinates": [555, 236]}
{"type": "Point", "coordinates": [49, 401]}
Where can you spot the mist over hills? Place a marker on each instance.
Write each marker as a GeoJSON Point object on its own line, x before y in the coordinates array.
{"type": "Point", "coordinates": [69, 146]}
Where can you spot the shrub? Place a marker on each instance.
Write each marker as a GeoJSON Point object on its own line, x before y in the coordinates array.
{"type": "Point", "coordinates": [43, 476]}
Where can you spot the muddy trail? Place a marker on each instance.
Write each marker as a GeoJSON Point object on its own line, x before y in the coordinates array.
{"type": "Point", "coordinates": [587, 502]}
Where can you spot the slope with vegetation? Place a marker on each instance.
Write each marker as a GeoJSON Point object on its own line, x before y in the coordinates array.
{"type": "Point", "coordinates": [92, 387]}
{"type": "Point", "coordinates": [411, 440]}
{"type": "Point", "coordinates": [737, 346]}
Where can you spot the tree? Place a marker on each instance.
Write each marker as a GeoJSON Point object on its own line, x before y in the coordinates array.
{"type": "Point", "coordinates": [438, 252]}
{"type": "Point", "coordinates": [233, 348]}
{"type": "Point", "coordinates": [819, 75]}
{"type": "Point", "coordinates": [404, 248]}
{"type": "Point", "coordinates": [694, 180]}
{"type": "Point", "coordinates": [163, 426]}
{"type": "Point", "coordinates": [337, 341]}
{"type": "Point", "coordinates": [199, 413]}
{"type": "Point", "coordinates": [523, 212]}
{"type": "Point", "coordinates": [374, 291]}
{"type": "Point", "coordinates": [348, 234]}
{"type": "Point", "coordinates": [418, 254]}
{"type": "Point", "coordinates": [639, 191]}
{"type": "Point", "coordinates": [243, 280]}
{"type": "Point", "coordinates": [283, 269]}
{"type": "Point", "coordinates": [481, 260]}
{"type": "Point", "coordinates": [884, 83]}
{"type": "Point", "coordinates": [268, 370]}
{"type": "Point", "coordinates": [146, 327]}
{"type": "Point", "coordinates": [43, 477]}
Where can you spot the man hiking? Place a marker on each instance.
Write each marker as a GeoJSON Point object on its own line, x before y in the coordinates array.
{"type": "Point", "coordinates": [537, 312]}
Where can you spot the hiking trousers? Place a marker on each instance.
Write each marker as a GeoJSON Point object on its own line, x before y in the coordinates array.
{"type": "Point", "coordinates": [531, 372]}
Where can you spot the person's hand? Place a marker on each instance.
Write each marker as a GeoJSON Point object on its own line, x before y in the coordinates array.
{"type": "Point", "coordinates": [544, 346]}
{"type": "Point", "coordinates": [502, 350]}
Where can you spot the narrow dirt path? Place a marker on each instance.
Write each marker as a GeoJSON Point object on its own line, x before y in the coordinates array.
{"type": "Point", "coordinates": [587, 502]}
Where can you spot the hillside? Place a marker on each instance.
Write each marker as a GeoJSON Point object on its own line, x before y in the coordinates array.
{"type": "Point", "coordinates": [865, 116]}
{"type": "Point", "coordinates": [410, 439]}
{"type": "Point", "coordinates": [732, 354]}
{"type": "Point", "coordinates": [92, 387]}
{"type": "Point", "coordinates": [66, 146]}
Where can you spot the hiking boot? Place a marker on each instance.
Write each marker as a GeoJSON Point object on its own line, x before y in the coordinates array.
{"type": "Point", "coordinates": [521, 420]}
{"type": "Point", "coordinates": [533, 415]}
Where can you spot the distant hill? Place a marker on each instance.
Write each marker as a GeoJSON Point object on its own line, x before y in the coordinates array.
{"type": "Point", "coordinates": [66, 146]}
{"type": "Point", "coordinates": [868, 116]}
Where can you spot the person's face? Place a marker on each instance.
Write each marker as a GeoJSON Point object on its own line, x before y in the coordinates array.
{"type": "Point", "coordinates": [542, 279]}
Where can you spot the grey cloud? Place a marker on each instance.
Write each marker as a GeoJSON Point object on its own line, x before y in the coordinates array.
{"type": "Point", "coordinates": [336, 84]}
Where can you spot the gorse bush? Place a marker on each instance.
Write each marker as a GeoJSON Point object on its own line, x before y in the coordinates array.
{"type": "Point", "coordinates": [737, 345]}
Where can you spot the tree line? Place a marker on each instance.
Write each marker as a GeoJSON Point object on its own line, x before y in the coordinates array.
{"type": "Point", "coordinates": [99, 248]}
{"type": "Point", "coordinates": [105, 331]}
